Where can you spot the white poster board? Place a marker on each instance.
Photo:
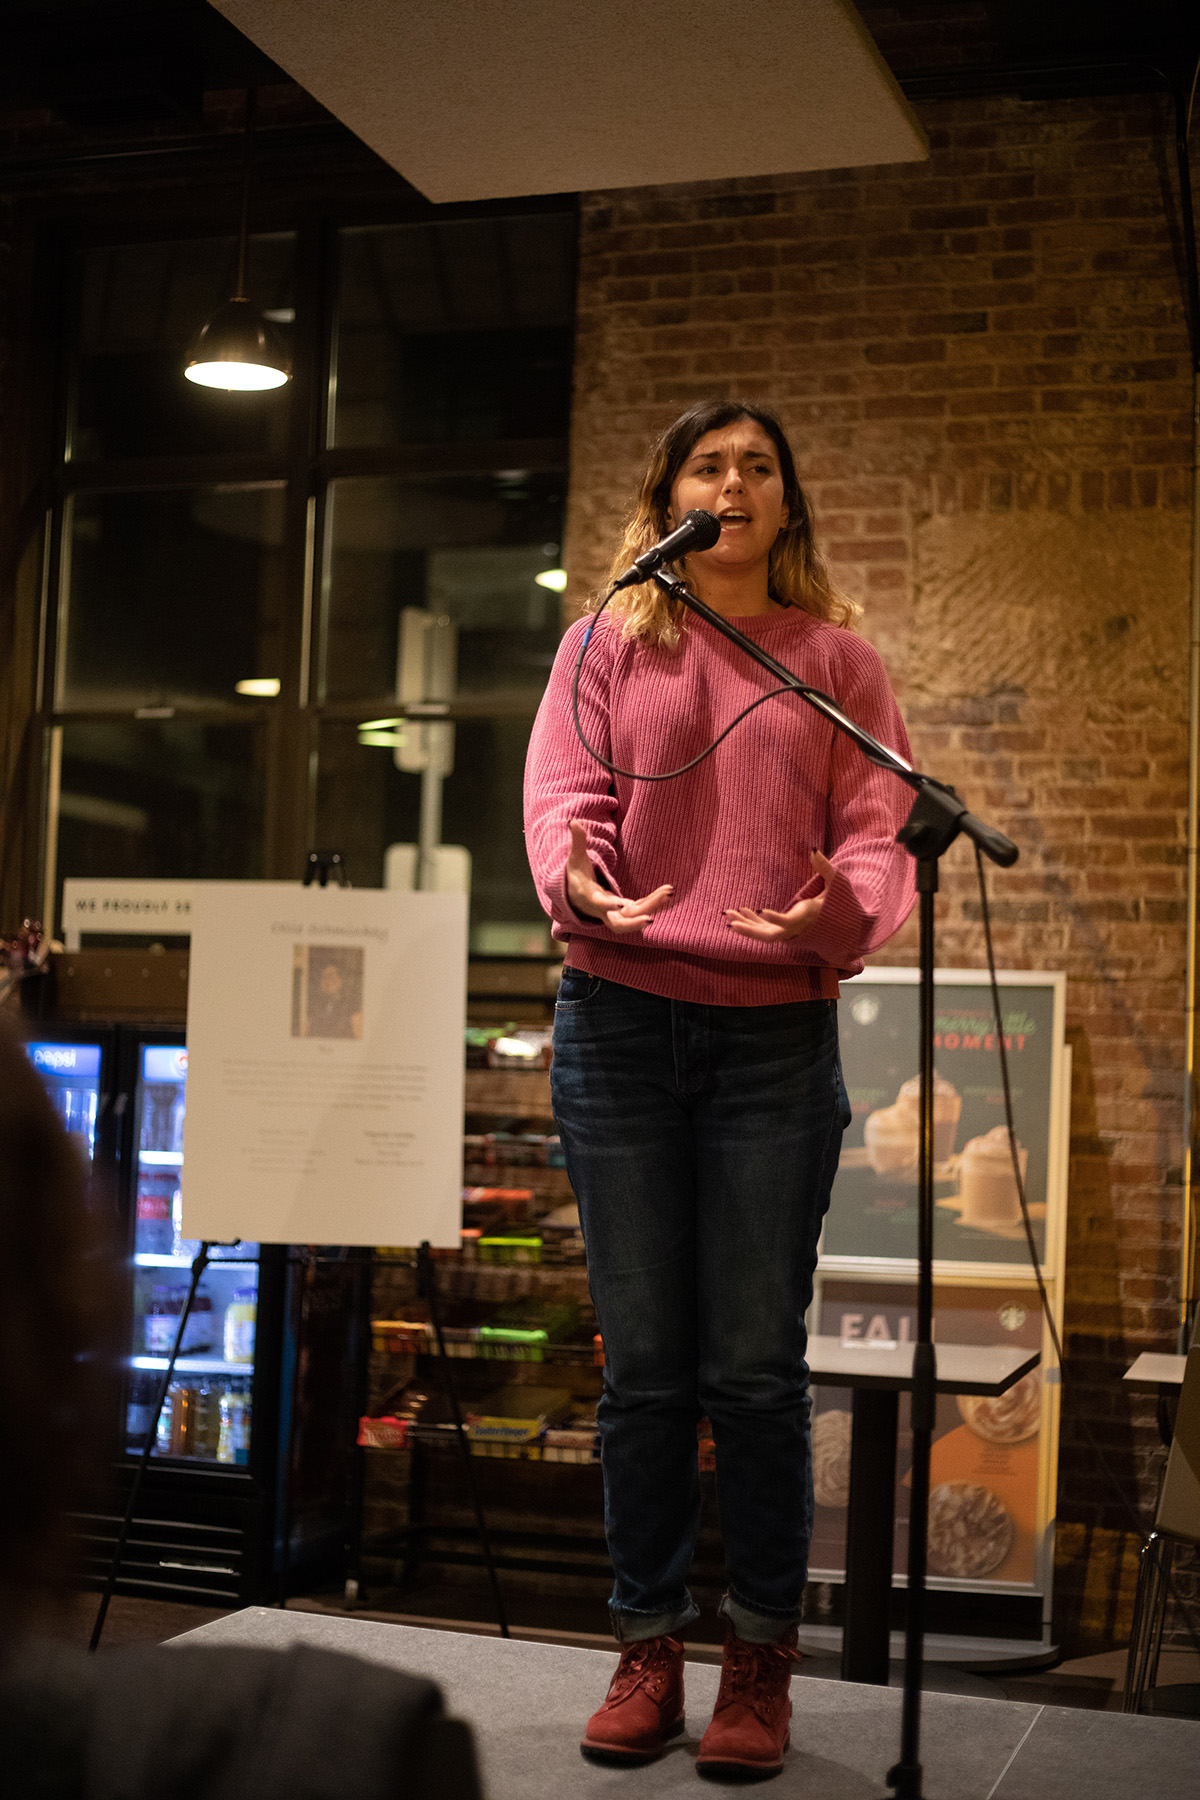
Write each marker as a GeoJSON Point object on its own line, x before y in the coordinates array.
{"type": "Point", "coordinates": [325, 1065]}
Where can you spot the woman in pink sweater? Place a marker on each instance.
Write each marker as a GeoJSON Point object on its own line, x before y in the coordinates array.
{"type": "Point", "coordinates": [696, 1078]}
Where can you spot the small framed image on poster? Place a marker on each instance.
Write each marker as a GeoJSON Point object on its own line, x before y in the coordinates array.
{"type": "Point", "coordinates": [977, 1214]}
{"type": "Point", "coordinates": [327, 990]}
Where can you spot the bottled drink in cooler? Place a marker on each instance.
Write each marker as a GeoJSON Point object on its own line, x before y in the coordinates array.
{"type": "Point", "coordinates": [155, 1236]}
{"type": "Point", "coordinates": [180, 1246]}
{"type": "Point", "coordinates": [157, 1123]}
{"type": "Point", "coordinates": [167, 1421]}
{"type": "Point", "coordinates": [161, 1320]}
{"type": "Point", "coordinates": [77, 1109]}
{"type": "Point", "coordinates": [205, 1429]}
{"type": "Point", "coordinates": [240, 1317]}
{"type": "Point", "coordinates": [200, 1332]}
{"type": "Point", "coordinates": [234, 1441]}
{"type": "Point", "coordinates": [181, 1419]}
{"type": "Point", "coordinates": [139, 1414]}
{"type": "Point", "coordinates": [177, 1112]}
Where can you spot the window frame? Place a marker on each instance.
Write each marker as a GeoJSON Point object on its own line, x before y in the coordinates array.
{"type": "Point", "coordinates": [307, 466]}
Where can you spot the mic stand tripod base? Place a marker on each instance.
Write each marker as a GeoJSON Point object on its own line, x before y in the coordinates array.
{"type": "Point", "coordinates": [905, 1782]}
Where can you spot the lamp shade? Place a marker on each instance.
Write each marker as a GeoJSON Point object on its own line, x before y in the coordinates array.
{"type": "Point", "coordinates": [237, 349]}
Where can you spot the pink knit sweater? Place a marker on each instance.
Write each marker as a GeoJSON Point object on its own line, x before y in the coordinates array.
{"type": "Point", "coordinates": [735, 831]}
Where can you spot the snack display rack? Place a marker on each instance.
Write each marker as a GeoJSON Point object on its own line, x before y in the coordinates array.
{"type": "Point", "coordinates": [516, 1321]}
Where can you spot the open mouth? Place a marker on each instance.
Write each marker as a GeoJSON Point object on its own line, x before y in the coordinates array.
{"type": "Point", "coordinates": [733, 518]}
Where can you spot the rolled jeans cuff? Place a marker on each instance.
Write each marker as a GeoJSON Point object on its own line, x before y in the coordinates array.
{"type": "Point", "coordinates": [756, 1627]}
{"type": "Point", "coordinates": [633, 1627]}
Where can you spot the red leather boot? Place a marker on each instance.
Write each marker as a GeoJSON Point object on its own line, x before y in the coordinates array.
{"type": "Point", "coordinates": [751, 1720]}
{"type": "Point", "coordinates": [644, 1706]}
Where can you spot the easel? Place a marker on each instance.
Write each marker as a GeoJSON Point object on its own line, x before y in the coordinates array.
{"type": "Point", "coordinates": [320, 866]}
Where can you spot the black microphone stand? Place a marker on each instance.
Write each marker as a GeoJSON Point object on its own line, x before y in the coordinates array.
{"type": "Point", "coordinates": [937, 817]}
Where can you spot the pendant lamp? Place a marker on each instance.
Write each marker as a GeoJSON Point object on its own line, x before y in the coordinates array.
{"type": "Point", "coordinates": [237, 349]}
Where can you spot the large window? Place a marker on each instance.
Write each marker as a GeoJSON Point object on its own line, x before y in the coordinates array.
{"type": "Point", "coordinates": [171, 597]}
{"type": "Point", "coordinates": [470, 547]}
{"type": "Point", "coordinates": [233, 576]}
{"type": "Point", "coordinates": [455, 332]}
{"type": "Point", "coordinates": [168, 798]}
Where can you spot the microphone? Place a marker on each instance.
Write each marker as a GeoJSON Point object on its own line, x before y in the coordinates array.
{"type": "Point", "coordinates": [699, 531]}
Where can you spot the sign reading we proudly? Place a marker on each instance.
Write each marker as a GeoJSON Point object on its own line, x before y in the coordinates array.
{"type": "Point", "coordinates": [125, 908]}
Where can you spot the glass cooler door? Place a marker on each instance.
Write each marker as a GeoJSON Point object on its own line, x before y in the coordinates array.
{"type": "Point", "coordinates": [71, 1072]}
{"type": "Point", "coordinates": [206, 1417]}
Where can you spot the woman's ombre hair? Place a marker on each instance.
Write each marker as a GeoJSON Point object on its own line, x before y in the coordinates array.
{"type": "Point", "coordinates": [797, 575]}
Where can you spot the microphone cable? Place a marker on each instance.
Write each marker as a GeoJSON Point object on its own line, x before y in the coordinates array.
{"type": "Point", "coordinates": [1127, 1508]}
{"type": "Point", "coordinates": [634, 774]}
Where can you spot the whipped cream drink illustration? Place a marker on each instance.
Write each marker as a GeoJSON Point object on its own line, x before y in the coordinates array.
{"type": "Point", "coordinates": [988, 1184]}
{"type": "Point", "coordinates": [892, 1134]}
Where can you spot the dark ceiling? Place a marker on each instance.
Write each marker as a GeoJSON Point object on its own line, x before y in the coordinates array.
{"type": "Point", "coordinates": [109, 63]}
{"type": "Point", "coordinates": [94, 71]}
{"type": "Point", "coordinates": [1037, 46]}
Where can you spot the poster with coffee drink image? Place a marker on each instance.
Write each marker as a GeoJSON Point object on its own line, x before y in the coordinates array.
{"type": "Point", "coordinates": [977, 1207]}
{"type": "Point", "coordinates": [984, 1524]}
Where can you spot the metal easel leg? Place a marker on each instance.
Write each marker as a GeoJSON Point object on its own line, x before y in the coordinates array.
{"type": "Point", "coordinates": [199, 1264]}
{"type": "Point", "coordinates": [427, 1288]}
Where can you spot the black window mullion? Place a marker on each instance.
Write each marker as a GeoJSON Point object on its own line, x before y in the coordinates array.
{"type": "Point", "coordinates": [143, 474]}
{"type": "Point", "coordinates": [61, 293]}
{"type": "Point", "coordinates": [456, 457]}
{"type": "Point", "coordinates": [289, 802]}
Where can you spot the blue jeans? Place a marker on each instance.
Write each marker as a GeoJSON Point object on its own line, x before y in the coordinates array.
{"type": "Point", "coordinates": [701, 1142]}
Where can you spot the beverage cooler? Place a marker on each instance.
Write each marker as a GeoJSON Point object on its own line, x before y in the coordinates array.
{"type": "Point", "coordinates": [247, 1488]}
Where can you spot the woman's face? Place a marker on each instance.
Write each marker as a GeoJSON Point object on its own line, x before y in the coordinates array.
{"type": "Point", "coordinates": [733, 472]}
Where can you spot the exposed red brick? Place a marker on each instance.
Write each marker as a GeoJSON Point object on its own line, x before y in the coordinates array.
{"type": "Point", "coordinates": [964, 345]}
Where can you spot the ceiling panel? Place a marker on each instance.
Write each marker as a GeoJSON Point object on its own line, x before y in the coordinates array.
{"type": "Point", "coordinates": [475, 99]}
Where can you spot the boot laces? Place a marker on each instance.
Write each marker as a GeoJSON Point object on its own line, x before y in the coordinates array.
{"type": "Point", "coordinates": [755, 1675]}
{"type": "Point", "coordinates": [639, 1663]}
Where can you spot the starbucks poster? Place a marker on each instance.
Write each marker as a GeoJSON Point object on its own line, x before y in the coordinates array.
{"type": "Point", "coordinates": [988, 1493]}
{"type": "Point", "coordinates": [977, 1214]}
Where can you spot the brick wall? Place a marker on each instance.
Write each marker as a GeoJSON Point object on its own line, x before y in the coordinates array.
{"type": "Point", "coordinates": [983, 363]}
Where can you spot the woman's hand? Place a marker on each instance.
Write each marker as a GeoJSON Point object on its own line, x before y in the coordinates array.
{"type": "Point", "coordinates": [769, 926]}
{"type": "Point", "coordinates": [591, 900]}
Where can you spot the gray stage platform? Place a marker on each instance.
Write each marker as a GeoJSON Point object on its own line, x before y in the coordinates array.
{"type": "Point", "coordinates": [527, 1703]}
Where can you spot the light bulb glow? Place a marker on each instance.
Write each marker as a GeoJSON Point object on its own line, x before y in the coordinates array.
{"type": "Point", "coordinates": [235, 376]}
{"type": "Point", "coordinates": [262, 687]}
{"type": "Point", "coordinates": [382, 740]}
{"type": "Point", "coordinates": [555, 579]}
{"type": "Point", "coordinates": [380, 724]}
